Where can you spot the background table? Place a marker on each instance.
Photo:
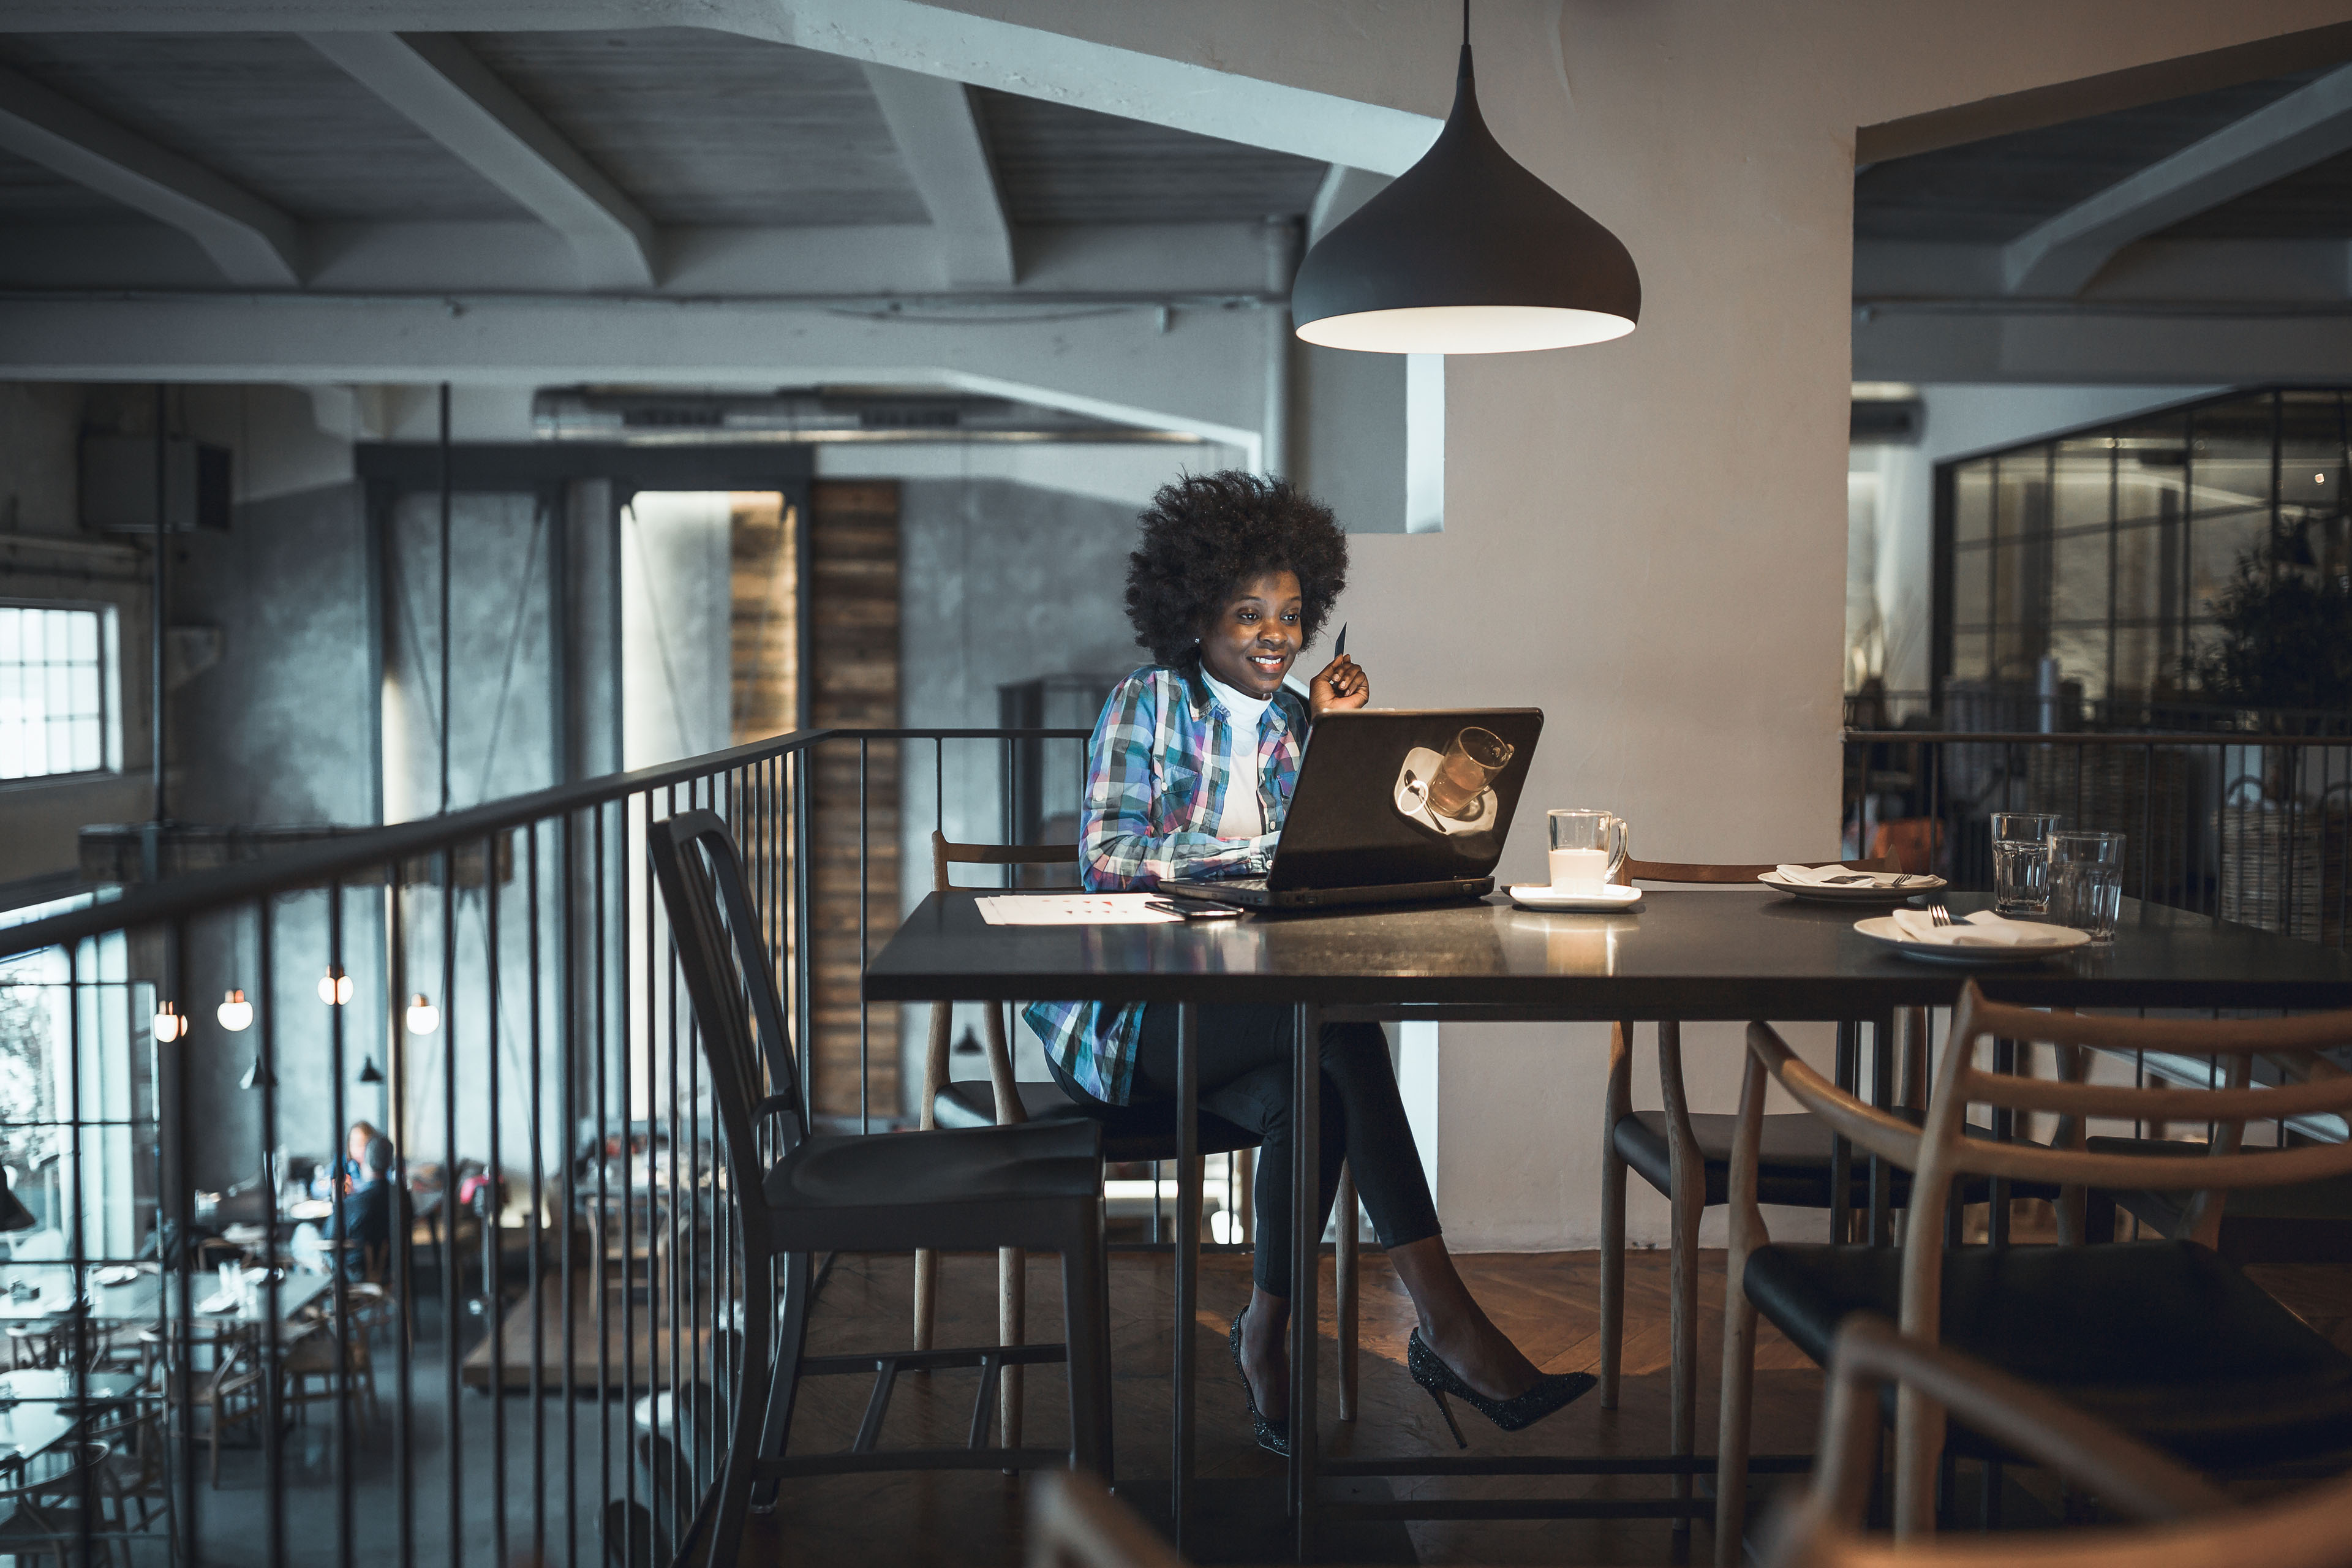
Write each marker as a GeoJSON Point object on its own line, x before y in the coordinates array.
{"type": "Point", "coordinates": [1730, 955]}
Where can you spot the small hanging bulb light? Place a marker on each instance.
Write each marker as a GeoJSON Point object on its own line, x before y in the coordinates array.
{"type": "Point", "coordinates": [170, 1025]}
{"type": "Point", "coordinates": [423, 1018]}
{"type": "Point", "coordinates": [1467, 252]}
{"type": "Point", "coordinates": [334, 986]}
{"type": "Point", "coordinates": [368, 1073]}
{"type": "Point", "coordinates": [235, 1013]}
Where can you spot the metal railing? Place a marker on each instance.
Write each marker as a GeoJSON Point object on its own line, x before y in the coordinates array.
{"type": "Point", "coordinates": [524, 1343]}
{"type": "Point", "coordinates": [2245, 826]}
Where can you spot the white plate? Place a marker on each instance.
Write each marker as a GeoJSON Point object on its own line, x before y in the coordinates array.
{"type": "Point", "coordinates": [1543, 895]}
{"type": "Point", "coordinates": [122, 1275]}
{"type": "Point", "coordinates": [1859, 893]}
{"type": "Point", "coordinates": [1882, 928]}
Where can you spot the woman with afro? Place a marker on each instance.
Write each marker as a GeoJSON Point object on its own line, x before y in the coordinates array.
{"type": "Point", "coordinates": [1189, 775]}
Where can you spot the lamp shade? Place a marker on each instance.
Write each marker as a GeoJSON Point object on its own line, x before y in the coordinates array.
{"type": "Point", "coordinates": [1467, 252]}
{"type": "Point", "coordinates": [235, 1013]}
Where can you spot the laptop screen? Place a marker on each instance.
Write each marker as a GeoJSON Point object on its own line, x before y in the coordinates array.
{"type": "Point", "coordinates": [1397, 794]}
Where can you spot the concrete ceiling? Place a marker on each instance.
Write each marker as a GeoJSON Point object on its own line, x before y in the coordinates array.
{"type": "Point", "coordinates": [1996, 189]}
{"type": "Point", "coordinates": [585, 161]}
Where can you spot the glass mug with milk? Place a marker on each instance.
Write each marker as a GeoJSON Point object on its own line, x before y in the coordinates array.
{"type": "Point", "coordinates": [1588, 848]}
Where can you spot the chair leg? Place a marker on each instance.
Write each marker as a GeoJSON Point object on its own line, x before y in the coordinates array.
{"type": "Point", "coordinates": [1732, 1434]}
{"type": "Point", "coordinates": [1088, 1336]}
{"type": "Point", "coordinates": [1012, 1329]}
{"type": "Point", "coordinates": [783, 1384]}
{"type": "Point", "coordinates": [1344, 1272]}
{"type": "Point", "coordinates": [754, 1414]}
{"type": "Point", "coordinates": [1686, 1201]}
{"type": "Point", "coordinates": [926, 1284]}
{"type": "Point", "coordinates": [1614, 1104]}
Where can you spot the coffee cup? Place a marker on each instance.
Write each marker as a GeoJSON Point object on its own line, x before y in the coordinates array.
{"type": "Point", "coordinates": [1587, 849]}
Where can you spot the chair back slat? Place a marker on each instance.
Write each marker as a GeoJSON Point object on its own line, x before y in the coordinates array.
{"type": "Point", "coordinates": [947, 852]}
{"type": "Point", "coordinates": [721, 958]}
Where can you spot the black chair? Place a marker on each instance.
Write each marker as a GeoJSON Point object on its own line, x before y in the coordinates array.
{"type": "Point", "coordinates": [2162, 1338]}
{"type": "Point", "coordinates": [1035, 1187]}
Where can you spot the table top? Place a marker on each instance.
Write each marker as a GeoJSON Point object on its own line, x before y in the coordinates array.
{"type": "Point", "coordinates": [1727, 954]}
{"type": "Point", "coordinates": [143, 1299]}
{"type": "Point", "coordinates": [52, 1386]}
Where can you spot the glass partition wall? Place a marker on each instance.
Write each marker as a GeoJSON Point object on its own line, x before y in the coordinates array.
{"type": "Point", "coordinates": [2104, 550]}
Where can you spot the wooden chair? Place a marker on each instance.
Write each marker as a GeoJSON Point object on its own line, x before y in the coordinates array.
{"type": "Point", "coordinates": [2161, 1338]}
{"type": "Point", "coordinates": [46, 1518]}
{"type": "Point", "coordinates": [1686, 1157]}
{"type": "Point", "coordinates": [2177, 1520]}
{"type": "Point", "coordinates": [312, 1357]}
{"type": "Point", "coordinates": [139, 1469]}
{"type": "Point", "coordinates": [1075, 1523]}
{"type": "Point", "coordinates": [796, 1193]}
{"type": "Point", "coordinates": [1147, 1132]}
{"type": "Point", "coordinates": [229, 1393]}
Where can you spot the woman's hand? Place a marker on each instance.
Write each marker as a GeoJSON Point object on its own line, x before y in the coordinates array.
{"type": "Point", "coordinates": [1342, 685]}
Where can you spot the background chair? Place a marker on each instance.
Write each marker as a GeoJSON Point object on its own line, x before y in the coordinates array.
{"type": "Point", "coordinates": [1687, 1157]}
{"type": "Point", "coordinates": [2161, 1338]}
{"type": "Point", "coordinates": [1035, 1187]}
{"type": "Point", "coordinates": [1140, 1133]}
{"type": "Point", "coordinates": [44, 1517]}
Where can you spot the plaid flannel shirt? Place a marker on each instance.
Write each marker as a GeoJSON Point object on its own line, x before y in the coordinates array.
{"type": "Point", "coordinates": [1156, 779]}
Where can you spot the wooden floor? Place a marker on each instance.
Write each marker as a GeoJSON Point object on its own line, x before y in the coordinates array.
{"type": "Point", "coordinates": [1547, 1302]}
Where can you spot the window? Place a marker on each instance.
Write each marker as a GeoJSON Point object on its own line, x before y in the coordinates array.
{"type": "Point", "coordinates": [58, 699]}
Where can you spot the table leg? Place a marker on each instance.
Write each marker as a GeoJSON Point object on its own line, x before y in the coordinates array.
{"type": "Point", "coordinates": [1187, 1264]}
{"type": "Point", "coordinates": [1306, 1260]}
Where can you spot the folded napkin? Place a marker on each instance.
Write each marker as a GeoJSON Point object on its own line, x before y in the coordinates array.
{"type": "Point", "coordinates": [1983, 929]}
{"type": "Point", "coordinates": [1822, 877]}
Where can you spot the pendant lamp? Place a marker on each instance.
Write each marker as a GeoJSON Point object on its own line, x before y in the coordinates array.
{"type": "Point", "coordinates": [1466, 253]}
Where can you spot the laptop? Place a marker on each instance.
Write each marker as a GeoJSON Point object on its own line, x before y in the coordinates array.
{"type": "Point", "coordinates": [1392, 806]}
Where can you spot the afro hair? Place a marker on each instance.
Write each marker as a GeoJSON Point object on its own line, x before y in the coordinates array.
{"type": "Point", "coordinates": [1205, 535]}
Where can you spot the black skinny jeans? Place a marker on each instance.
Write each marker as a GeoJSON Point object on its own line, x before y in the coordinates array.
{"type": "Point", "coordinates": [1245, 1065]}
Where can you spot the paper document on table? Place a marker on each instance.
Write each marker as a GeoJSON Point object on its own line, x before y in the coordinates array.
{"type": "Point", "coordinates": [1075, 909]}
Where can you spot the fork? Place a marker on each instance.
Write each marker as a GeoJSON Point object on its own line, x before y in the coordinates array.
{"type": "Point", "coordinates": [1939, 915]}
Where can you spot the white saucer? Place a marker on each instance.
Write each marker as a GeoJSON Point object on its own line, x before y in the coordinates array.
{"type": "Point", "coordinates": [1886, 892]}
{"type": "Point", "coordinates": [1882, 928]}
{"type": "Point", "coordinates": [1543, 895]}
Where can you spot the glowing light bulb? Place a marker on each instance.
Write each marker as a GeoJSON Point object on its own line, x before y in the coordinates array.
{"type": "Point", "coordinates": [423, 1018]}
{"type": "Point", "coordinates": [2319, 479]}
{"type": "Point", "coordinates": [170, 1024]}
{"type": "Point", "coordinates": [334, 986]}
{"type": "Point", "coordinates": [235, 1013]}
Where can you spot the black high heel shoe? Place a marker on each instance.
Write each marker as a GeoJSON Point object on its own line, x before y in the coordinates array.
{"type": "Point", "coordinates": [1550, 1393]}
{"type": "Point", "coordinates": [1274, 1437]}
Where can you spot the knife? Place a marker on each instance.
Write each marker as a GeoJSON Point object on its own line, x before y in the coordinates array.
{"type": "Point", "coordinates": [1339, 650]}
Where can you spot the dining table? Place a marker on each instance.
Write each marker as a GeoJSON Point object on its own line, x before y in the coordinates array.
{"type": "Point", "coordinates": [1690, 954]}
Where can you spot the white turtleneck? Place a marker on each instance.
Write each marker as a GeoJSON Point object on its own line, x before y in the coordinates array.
{"type": "Point", "coordinates": [1245, 814]}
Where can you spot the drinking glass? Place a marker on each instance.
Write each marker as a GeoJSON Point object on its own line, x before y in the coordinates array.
{"type": "Point", "coordinates": [2086, 881]}
{"type": "Point", "coordinates": [2020, 861]}
{"type": "Point", "coordinates": [1587, 848]}
{"type": "Point", "coordinates": [1471, 762]}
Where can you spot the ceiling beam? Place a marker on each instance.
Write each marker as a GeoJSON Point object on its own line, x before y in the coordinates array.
{"type": "Point", "coordinates": [252, 242]}
{"type": "Point", "coordinates": [450, 95]}
{"type": "Point", "coordinates": [937, 126]}
{"type": "Point", "coordinates": [2061, 255]}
